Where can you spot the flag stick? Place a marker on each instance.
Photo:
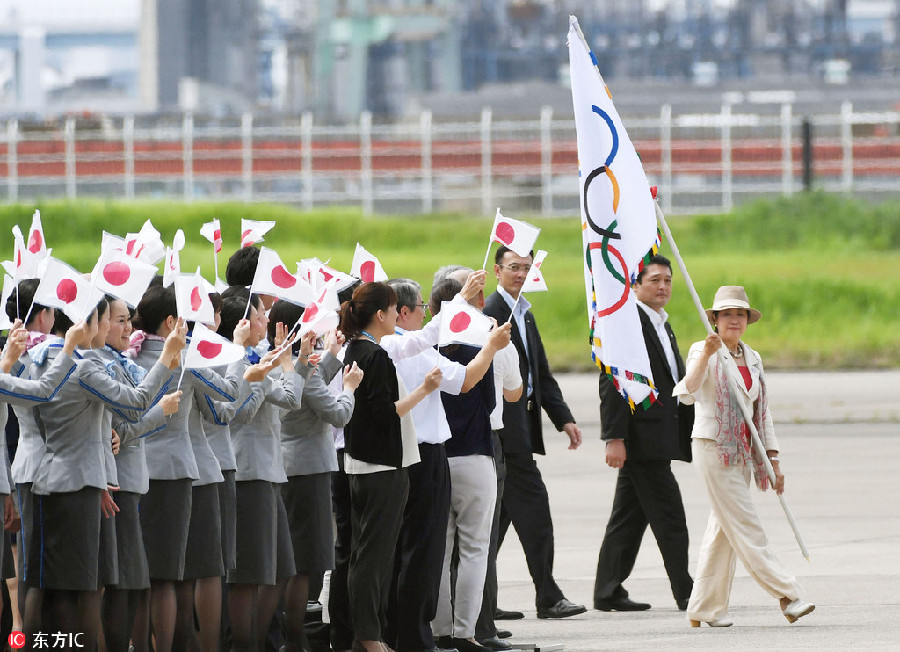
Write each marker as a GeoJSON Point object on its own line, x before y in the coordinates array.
{"type": "Point", "coordinates": [513, 310]}
{"type": "Point", "coordinates": [486, 254]}
{"type": "Point", "coordinates": [732, 383]}
{"type": "Point", "coordinates": [216, 260]}
{"type": "Point", "coordinates": [30, 308]}
{"type": "Point", "coordinates": [249, 299]}
{"type": "Point", "coordinates": [181, 377]}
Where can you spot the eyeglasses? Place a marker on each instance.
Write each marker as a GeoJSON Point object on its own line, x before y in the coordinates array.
{"type": "Point", "coordinates": [423, 306]}
{"type": "Point", "coordinates": [515, 268]}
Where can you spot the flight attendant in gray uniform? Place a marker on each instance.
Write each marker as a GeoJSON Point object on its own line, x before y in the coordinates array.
{"type": "Point", "coordinates": [165, 509]}
{"type": "Point", "coordinates": [121, 599]}
{"type": "Point", "coordinates": [25, 393]}
{"type": "Point", "coordinates": [307, 448]}
{"type": "Point", "coordinates": [264, 559]}
{"type": "Point", "coordinates": [30, 448]}
{"type": "Point", "coordinates": [69, 482]}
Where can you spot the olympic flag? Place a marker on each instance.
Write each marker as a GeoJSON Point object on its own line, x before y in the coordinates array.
{"type": "Point", "coordinates": [618, 225]}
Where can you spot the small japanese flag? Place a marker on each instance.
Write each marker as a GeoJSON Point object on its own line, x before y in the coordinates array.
{"type": "Point", "coordinates": [212, 231]}
{"type": "Point", "coordinates": [209, 349]}
{"type": "Point", "coordinates": [122, 276]}
{"type": "Point", "coordinates": [172, 264]}
{"type": "Point", "coordinates": [515, 234]}
{"type": "Point", "coordinates": [320, 316]}
{"type": "Point", "coordinates": [366, 267]}
{"type": "Point", "coordinates": [535, 281]}
{"type": "Point", "coordinates": [462, 324]}
{"type": "Point", "coordinates": [65, 288]}
{"type": "Point", "coordinates": [273, 278]}
{"type": "Point", "coordinates": [192, 298]}
{"type": "Point", "coordinates": [253, 231]}
{"type": "Point", "coordinates": [146, 245]}
{"type": "Point", "coordinates": [36, 242]}
{"type": "Point", "coordinates": [339, 280]}
{"type": "Point", "coordinates": [28, 264]}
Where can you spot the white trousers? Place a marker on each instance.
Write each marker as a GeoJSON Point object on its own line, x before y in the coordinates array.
{"type": "Point", "coordinates": [733, 532]}
{"type": "Point", "coordinates": [473, 493]}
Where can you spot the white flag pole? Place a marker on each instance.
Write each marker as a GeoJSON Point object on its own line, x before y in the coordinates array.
{"type": "Point", "coordinates": [30, 308]}
{"type": "Point", "coordinates": [486, 254]}
{"type": "Point", "coordinates": [180, 378]}
{"type": "Point", "coordinates": [748, 417]}
{"type": "Point", "coordinates": [515, 305]}
{"type": "Point", "coordinates": [216, 260]}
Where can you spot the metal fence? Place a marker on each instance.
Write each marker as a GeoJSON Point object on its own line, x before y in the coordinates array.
{"type": "Point", "coordinates": [701, 162]}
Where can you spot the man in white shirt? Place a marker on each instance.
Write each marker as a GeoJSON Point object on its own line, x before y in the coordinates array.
{"type": "Point", "coordinates": [420, 548]}
{"type": "Point", "coordinates": [642, 444]}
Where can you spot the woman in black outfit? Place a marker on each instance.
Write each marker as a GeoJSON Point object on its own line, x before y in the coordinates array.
{"type": "Point", "coordinates": [380, 442]}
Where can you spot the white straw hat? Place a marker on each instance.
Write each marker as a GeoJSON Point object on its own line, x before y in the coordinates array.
{"type": "Point", "coordinates": [732, 296]}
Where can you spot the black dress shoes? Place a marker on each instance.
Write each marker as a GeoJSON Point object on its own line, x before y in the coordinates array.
{"type": "Point", "coordinates": [444, 644]}
{"type": "Point", "coordinates": [621, 604]}
{"type": "Point", "coordinates": [500, 614]}
{"type": "Point", "coordinates": [496, 643]}
{"type": "Point", "coordinates": [682, 603]}
{"type": "Point", "coordinates": [504, 633]}
{"type": "Point", "coordinates": [562, 609]}
{"type": "Point", "coordinates": [465, 645]}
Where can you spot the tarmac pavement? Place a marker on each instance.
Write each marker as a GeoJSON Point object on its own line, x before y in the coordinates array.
{"type": "Point", "coordinates": [840, 439]}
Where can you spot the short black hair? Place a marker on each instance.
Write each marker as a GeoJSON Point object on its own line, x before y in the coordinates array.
{"type": "Point", "coordinates": [242, 266]}
{"type": "Point", "coordinates": [21, 298]}
{"type": "Point", "coordinates": [655, 259]}
{"type": "Point", "coordinates": [234, 308]}
{"type": "Point", "coordinates": [501, 251]}
{"type": "Point", "coordinates": [157, 304]}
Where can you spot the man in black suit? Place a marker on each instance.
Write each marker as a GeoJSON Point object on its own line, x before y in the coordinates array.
{"type": "Point", "coordinates": [641, 444]}
{"type": "Point", "coordinates": [525, 501]}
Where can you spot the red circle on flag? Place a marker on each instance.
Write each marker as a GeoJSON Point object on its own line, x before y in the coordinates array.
{"type": "Point", "coordinates": [209, 350]}
{"type": "Point", "coordinates": [367, 271]}
{"type": "Point", "coordinates": [67, 291]}
{"type": "Point", "coordinates": [460, 322]}
{"type": "Point", "coordinates": [117, 273]}
{"type": "Point", "coordinates": [283, 278]}
{"type": "Point", "coordinates": [310, 312]}
{"type": "Point", "coordinates": [326, 275]}
{"type": "Point", "coordinates": [505, 233]}
{"type": "Point", "coordinates": [244, 237]}
{"type": "Point", "coordinates": [196, 299]}
{"type": "Point", "coordinates": [35, 242]}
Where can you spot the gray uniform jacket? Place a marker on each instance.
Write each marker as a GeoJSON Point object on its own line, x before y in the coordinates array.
{"type": "Point", "coordinates": [307, 441]}
{"type": "Point", "coordinates": [256, 428]}
{"type": "Point", "coordinates": [72, 424]}
{"type": "Point", "coordinates": [24, 394]}
{"type": "Point", "coordinates": [31, 444]}
{"type": "Point", "coordinates": [131, 462]}
{"type": "Point", "coordinates": [171, 450]}
{"type": "Point", "coordinates": [218, 434]}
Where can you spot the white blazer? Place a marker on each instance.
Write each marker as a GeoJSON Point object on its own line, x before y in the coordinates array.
{"type": "Point", "coordinates": [705, 426]}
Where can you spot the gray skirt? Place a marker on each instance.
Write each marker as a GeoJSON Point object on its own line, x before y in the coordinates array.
{"type": "Point", "coordinates": [134, 575]}
{"type": "Point", "coordinates": [263, 552]}
{"type": "Point", "coordinates": [165, 517]}
{"type": "Point", "coordinates": [203, 557]}
{"type": "Point", "coordinates": [65, 543]}
{"type": "Point", "coordinates": [109, 551]}
{"type": "Point", "coordinates": [226, 509]}
{"type": "Point", "coordinates": [307, 500]}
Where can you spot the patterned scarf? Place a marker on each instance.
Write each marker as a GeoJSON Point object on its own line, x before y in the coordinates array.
{"type": "Point", "coordinates": [733, 437]}
{"type": "Point", "coordinates": [137, 342]}
{"type": "Point", "coordinates": [134, 371]}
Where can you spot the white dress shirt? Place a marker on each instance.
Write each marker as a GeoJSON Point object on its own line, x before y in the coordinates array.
{"type": "Point", "coordinates": [518, 314]}
{"type": "Point", "coordinates": [658, 319]}
{"type": "Point", "coordinates": [506, 376]}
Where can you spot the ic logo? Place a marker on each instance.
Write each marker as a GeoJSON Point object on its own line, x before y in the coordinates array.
{"type": "Point", "coordinates": [17, 640]}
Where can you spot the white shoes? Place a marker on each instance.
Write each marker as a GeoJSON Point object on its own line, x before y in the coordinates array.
{"type": "Point", "coordinates": [719, 622]}
{"type": "Point", "coordinates": [797, 609]}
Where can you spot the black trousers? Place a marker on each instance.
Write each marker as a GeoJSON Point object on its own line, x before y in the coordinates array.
{"type": "Point", "coordinates": [420, 552]}
{"type": "Point", "coordinates": [484, 626]}
{"type": "Point", "coordinates": [526, 506]}
{"type": "Point", "coordinates": [646, 493]}
{"type": "Point", "coordinates": [339, 596]}
{"type": "Point", "coordinates": [377, 501]}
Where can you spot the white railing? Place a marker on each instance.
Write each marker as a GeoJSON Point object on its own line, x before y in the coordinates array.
{"type": "Point", "coordinates": [701, 162]}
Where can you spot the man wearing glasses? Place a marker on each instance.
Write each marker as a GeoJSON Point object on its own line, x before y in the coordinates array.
{"type": "Point", "coordinates": [525, 501]}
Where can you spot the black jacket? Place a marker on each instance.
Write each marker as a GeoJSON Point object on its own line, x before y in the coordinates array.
{"type": "Point", "coordinates": [661, 432]}
{"type": "Point", "coordinates": [521, 433]}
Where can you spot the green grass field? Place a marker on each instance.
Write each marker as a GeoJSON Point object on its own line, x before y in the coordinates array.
{"type": "Point", "coordinates": [824, 270]}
